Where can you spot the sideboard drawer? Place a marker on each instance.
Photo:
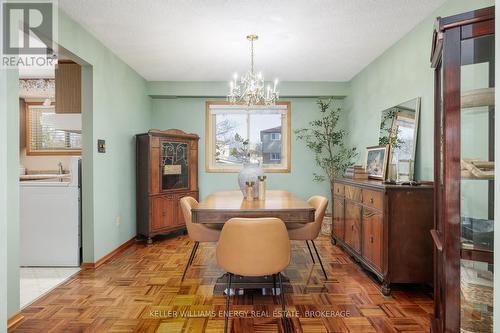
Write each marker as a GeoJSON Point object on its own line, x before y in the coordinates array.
{"type": "Point", "coordinates": [373, 199]}
{"type": "Point", "coordinates": [338, 189]}
{"type": "Point", "coordinates": [352, 193]}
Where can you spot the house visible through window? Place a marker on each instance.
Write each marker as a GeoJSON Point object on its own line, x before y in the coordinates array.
{"type": "Point", "coordinates": [258, 134]}
{"type": "Point", "coordinates": [42, 138]}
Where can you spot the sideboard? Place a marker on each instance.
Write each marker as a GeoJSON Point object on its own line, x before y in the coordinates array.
{"type": "Point", "coordinates": [386, 228]}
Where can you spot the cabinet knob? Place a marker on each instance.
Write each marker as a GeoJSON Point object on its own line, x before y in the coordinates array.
{"type": "Point", "coordinates": [352, 226]}
{"type": "Point", "coordinates": [371, 200]}
{"type": "Point", "coordinates": [371, 239]}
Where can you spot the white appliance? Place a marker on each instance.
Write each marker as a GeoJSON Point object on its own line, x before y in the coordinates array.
{"type": "Point", "coordinates": [50, 221]}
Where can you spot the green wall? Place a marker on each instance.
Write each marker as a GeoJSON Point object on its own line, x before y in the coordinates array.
{"type": "Point", "coordinates": [401, 73]}
{"type": "Point", "coordinates": [188, 114]}
{"type": "Point", "coordinates": [9, 181]}
{"type": "Point", "coordinates": [120, 108]}
{"type": "Point", "coordinates": [162, 89]}
{"type": "Point", "coordinates": [8, 193]}
{"type": "Point", "coordinates": [3, 200]}
{"type": "Point", "coordinates": [3, 196]}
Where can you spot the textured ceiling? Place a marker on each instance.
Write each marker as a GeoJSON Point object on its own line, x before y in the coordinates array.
{"type": "Point", "coordinates": [202, 40]}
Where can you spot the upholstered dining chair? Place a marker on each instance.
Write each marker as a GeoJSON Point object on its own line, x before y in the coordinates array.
{"type": "Point", "coordinates": [197, 232]}
{"type": "Point", "coordinates": [254, 247]}
{"type": "Point", "coordinates": [310, 231]}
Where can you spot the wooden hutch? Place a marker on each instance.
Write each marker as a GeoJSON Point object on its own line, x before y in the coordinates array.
{"type": "Point", "coordinates": [463, 56]}
{"type": "Point", "coordinates": [167, 170]}
{"type": "Point", "coordinates": [385, 228]}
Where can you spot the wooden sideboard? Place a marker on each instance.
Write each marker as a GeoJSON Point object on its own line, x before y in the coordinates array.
{"type": "Point", "coordinates": [385, 228]}
{"type": "Point", "coordinates": [167, 170]}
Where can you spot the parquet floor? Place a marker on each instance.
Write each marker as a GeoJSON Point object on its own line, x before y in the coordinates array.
{"type": "Point", "coordinates": [140, 291]}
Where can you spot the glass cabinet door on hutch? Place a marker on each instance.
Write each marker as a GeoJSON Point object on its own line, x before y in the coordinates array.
{"type": "Point", "coordinates": [464, 61]}
{"type": "Point", "coordinates": [174, 165]}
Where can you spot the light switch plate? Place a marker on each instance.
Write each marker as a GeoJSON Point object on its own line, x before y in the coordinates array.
{"type": "Point", "coordinates": [101, 146]}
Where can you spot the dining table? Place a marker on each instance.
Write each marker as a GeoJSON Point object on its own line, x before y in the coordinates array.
{"type": "Point", "coordinates": [219, 207]}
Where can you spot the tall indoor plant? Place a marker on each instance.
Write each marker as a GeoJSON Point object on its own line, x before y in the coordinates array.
{"type": "Point", "coordinates": [325, 139]}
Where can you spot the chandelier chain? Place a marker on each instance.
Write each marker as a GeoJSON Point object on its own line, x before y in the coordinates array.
{"type": "Point", "coordinates": [252, 56]}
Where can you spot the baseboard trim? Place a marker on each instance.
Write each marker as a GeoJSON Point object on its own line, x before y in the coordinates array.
{"type": "Point", "coordinates": [109, 256]}
{"type": "Point", "coordinates": [14, 320]}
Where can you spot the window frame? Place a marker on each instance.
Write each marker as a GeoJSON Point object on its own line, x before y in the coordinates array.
{"type": "Point", "coordinates": [275, 159]}
{"type": "Point", "coordinates": [210, 166]}
{"type": "Point", "coordinates": [27, 129]}
{"type": "Point", "coordinates": [278, 135]}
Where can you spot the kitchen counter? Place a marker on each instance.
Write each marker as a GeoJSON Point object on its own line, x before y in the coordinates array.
{"type": "Point", "coordinates": [44, 176]}
{"type": "Point", "coordinates": [44, 182]}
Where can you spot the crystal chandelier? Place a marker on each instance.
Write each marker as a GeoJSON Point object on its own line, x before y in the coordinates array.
{"type": "Point", "coordinates": [250, 88]}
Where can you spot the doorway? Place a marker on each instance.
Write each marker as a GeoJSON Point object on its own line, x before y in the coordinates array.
{"type": "Point", "coordinates": [50, 180]}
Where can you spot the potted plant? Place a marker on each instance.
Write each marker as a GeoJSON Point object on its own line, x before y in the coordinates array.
{"type": "Point", "coordinates": [325, 139]}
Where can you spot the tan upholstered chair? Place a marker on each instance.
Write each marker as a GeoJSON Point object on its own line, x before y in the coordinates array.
{"type": "Point", "coordinates": [253, 247]}
{"type": "Point", "coordinates": [197, 232]}
{"type": "Point", "coordinates": [310, 231]}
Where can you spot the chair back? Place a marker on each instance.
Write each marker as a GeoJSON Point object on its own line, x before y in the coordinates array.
{"type": "Point", "coordinates": [320, 204]}
{"type": "Point", "coordinates": [253, 246]}
{"type": "Point", "coordinates": [197, 232]}
{"type": "Point", "coordinates": [188, 203]}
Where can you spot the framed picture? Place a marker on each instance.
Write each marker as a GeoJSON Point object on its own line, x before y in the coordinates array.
{"type": "Point", "coordinates": [376, 161]}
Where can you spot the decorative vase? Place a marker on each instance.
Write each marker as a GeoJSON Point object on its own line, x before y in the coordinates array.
{"type": "Point", "coordinates": [250, 173]}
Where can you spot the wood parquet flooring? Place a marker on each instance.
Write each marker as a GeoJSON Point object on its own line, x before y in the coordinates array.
{"type": "Point", "coordinates": [140, 291]}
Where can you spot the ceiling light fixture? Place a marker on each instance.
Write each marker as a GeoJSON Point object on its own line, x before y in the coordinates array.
{"type": "Point", "coordinates": [250, 88]}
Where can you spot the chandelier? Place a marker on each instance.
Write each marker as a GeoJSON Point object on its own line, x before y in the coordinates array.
{"type": "Point", "coordinates": [250, 88]}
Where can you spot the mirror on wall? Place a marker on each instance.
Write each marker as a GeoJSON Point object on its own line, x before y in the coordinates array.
{"type": "Point", "coordinates": [398, 130]}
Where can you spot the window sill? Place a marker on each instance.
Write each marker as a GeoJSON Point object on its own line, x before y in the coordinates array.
{"type": "Point", "coordinates": [237, 170]}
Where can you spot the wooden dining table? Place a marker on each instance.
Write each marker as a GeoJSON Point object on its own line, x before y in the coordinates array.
{"type": "Point", "coordinates": [219, 207]}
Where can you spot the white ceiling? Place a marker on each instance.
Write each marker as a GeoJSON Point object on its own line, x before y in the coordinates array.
{"type": "Point", "coordinates": [204, 40]}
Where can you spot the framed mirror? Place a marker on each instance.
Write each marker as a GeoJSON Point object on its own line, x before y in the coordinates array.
{"type": "Point", "coordinates": [399, 130]}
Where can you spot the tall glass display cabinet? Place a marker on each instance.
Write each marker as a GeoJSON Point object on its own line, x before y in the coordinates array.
{"type": "Point", "coordinates": [463, 56]}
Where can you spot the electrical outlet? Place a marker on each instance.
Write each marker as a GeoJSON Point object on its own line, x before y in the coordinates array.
{"type": "Point", "coordinates": [118, 220]}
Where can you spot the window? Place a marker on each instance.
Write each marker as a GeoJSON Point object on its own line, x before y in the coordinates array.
{"type": "Point", "coordinates": [42, 139]}
{"type": "Point", "coordinates": [235, 134]}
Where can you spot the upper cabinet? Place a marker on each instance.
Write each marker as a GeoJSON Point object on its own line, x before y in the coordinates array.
{"type": "Point", "coordinates": [68, 87]}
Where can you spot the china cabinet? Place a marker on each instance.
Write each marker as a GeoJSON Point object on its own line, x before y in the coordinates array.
{"type": "Point", "coordinates": [464, 61]}
{"type": "Point", "coordinates": [167, 170]}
